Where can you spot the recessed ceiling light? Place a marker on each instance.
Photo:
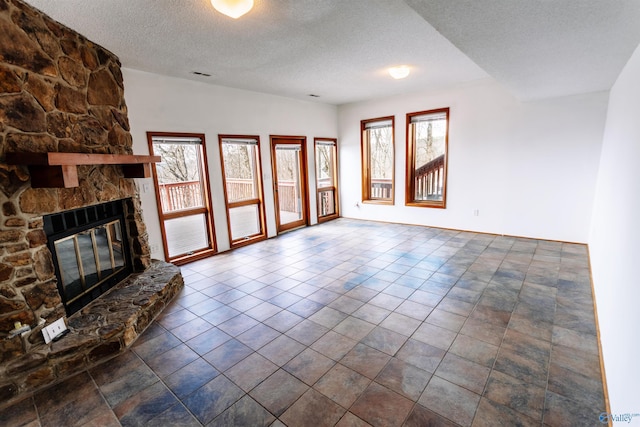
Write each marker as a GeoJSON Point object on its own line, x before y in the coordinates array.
{"type": "Point", "coordinates": [198, 73]}
{"type": "Point", "coordinates": [399, 72]}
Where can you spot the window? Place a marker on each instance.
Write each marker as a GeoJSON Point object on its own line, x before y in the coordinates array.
{"type": "Point", "coordinates": [377, 160]}
{"type": "Point", "coordinates": [182, 194]}
{"type": "Point", "coordinates": [427, 140]}
{"type": "Point", "coordinates": [326, 179]}
{"type": "Point", "coordinates": [242, 188]}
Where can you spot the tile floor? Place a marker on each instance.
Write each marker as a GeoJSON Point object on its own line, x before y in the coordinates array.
{"type": "Point", "coordinates": [355, 323]}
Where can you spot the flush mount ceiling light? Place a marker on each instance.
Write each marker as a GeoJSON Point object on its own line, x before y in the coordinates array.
{"type": "Point", "coordinates": [399, 72]}
{"type": "Point", "coordinates": [233, 8]}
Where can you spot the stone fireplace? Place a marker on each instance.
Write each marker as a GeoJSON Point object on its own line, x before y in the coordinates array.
{"type": "Point", "coordinates": [60, 93]}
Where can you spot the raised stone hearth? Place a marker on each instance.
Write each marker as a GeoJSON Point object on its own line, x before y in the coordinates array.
{"type": "Point", "coordinates": [59, 92]}
{"type": "Point", "coordinates": [98, 332]}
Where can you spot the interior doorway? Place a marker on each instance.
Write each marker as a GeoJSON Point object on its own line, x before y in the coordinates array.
{"type": "Point", "coordinates": [289, 157]}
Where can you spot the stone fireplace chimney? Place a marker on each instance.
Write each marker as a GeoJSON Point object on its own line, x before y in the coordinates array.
{"type": "Point", "coordinates": [59, 92]}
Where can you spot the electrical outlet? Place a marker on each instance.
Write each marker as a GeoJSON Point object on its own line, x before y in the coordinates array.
{"type": "Point", "coordinates": [51, 331]}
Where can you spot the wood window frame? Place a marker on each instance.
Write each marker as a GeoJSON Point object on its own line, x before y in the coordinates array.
{"type": "Point", "coordinates": [367, 197]}
{"type": "Point", "coordinates": [304, 180]}
{"type": "Point", "coordinates": [410, 190]}
{"type": "Point", "coordinates": [334, 187]}
{"type": "Point", "coordinates": [207, 210]}
{"type": "Point", "coordinates": [259, 200]}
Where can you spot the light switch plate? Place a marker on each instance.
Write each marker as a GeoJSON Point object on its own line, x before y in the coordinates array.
{"type": "Point", "coordinates": [53, 330]}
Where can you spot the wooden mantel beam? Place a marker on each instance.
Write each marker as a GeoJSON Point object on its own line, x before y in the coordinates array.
{"type": "Point", "coordinates": [59, 170]}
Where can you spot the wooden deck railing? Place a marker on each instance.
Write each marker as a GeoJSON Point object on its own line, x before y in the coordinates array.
{"type": "Point", "coordinates": [180, 195]}
{"type": "Point", "coordinates": [381, 188]}
{"type": "Point", "coordinates": [184, 195]}
{"type": "Point", "coordinates": [428, 179]}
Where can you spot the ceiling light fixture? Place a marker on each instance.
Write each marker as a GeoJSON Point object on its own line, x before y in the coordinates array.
{"type": "Point", "coordinates": [233, 8]}
{"type": "Point", "coordinates": [399, 72]}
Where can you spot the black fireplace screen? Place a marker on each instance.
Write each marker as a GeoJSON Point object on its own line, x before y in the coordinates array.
{"type": "Point", "coordinates": [90, 251]}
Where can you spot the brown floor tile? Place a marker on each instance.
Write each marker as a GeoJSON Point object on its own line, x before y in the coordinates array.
{"type": "Point", "coordinates": [207, 341]}
{"type": "Point", "coordinates": [371, 314]}
{"type": "Point", "coordinates": [342, 385]}
{"type": "Point", "coordinates": [365, 360]}
{"type": "Point", "coordinates": [328, 317]}
{"type": "Point", "coordinates": [490, 414]}
{"type": "Point", "coordinates": [426, 298]}
{"type": "Point", "coordinates": [421, 355]}
{"type": "Point", "coordinates": [177, 318]}
{"type": "Point", "coordinates": [172, 360]}
{"type": "Point", "coordinates": [333, 345]}
{"type": "Point", "coordinates": [345, 304]}
{"type": "Point", "coordinates": [434, 335]}
{"type": "Point", "coordinates": [522, 367]}
{"type": "Point", "coordinates": [585, 364]}
{"type": "Point", "coordinates": [307, 332]}
{"type": "Point", "coordinates": [388, 302]}
{"type": "Point", "coordinates": [245, 412]}
{"type": "Point", "coordinates": [281, 350]}
{"type": "Point", "coordinates": [422, 417]}
{"type": "Point", "coordinates": [263, 311]}
{"type": "Point", "coordinates": [450, 401]}
{"type": "Point", "coordinates": [455, 306]}
{"type": "Point", "coordinates": [220, 315]}
{"type": "Point", "coordinates": [188, 379]}
{"type": "Point", "coordinates": [313, 409]}
{"type": "Point", "coordinates": [401, 324]}
{"type": "Point", "coordinates": [362, 294]}
{"type": "Point", "coordinates": [227, 354]}
{"type": "Point", "coordinates": [385, 340]}
{"type": "Point", "coordinates": [122, 377]}
{"type": "Point", "coordinates": [474, 350]}
{"type": "Point", "coordinates": [176, 415]}
{"type": "Point", "coordinates": [495, 316]}
{"type": "Point", "coordinates": [404, 378]}
{"type": "Point", "coordinates": [581, 389]}
{"type": "Point", "coordinates": [237, 325]}
{"type": "Point", "coordinates": [283, 321]}
{"type": "Point", "coordinates": [526, 345]}
{"type": "Point", "coordinates": [213, 399]}
{"type": "Point", "coordinates": [561, 411]}
{"type": "Point", "coordinates": [580, 341]}
{"type": "Point", "coordinates": [258, 336]}
{"type": "Point", "coordinates": [157, 345]}
{"type": "Point", "coordinates": [350, 420]}
{"type": "Point", "coordinates": [445, 319]}
{"type": "Point", "coordinates": [309, 366]}
{"type": "Point", "coordinates": [22, 413]}
{"type": "Point", "coordinates": [251, 371]}
{"type": "Point", "coordinates": [535, 329]}
{"type": "Point", "coordinates": [380, 406]}
{"type": "Point", "coordinates": [484, 331]}
{"type": "Point", "coordinates": [354, 328]}
{"type": "Point", "coordinates": [516, 394]}
{"type": "Point", "coordinates": [414, 310]}
{"type": "Point", "coordinates": [278, 392]}
{"type": "Point", "coordinates": [145, 405]}
{"type": "Point", "coordinates": [463, 372]}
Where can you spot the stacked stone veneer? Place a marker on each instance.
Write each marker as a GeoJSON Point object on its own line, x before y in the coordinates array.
{"type": "Point", "coordinates": [58, 92]}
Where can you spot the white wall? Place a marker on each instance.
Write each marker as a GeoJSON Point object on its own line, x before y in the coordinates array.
{"type": "Point", "coordinates": [529, 168]}
{"type": "Point", "coordinates": [613, 243]}
{"type": "Point", "coordinates": [167, 104]}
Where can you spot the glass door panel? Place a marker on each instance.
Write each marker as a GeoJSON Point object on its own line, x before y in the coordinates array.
{"type": "Point", "coordinates": [243, 188]}
{"type": "Point", "coordinates": [182, 192]}
{"type": "Point", "coordinates": [326, 178]}
{"type": "Point", "coordinates": [290, 182]}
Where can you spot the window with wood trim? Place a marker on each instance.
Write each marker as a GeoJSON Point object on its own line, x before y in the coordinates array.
{"type": "Point", "coordinates": [241, 175]}
{"type": "Point", "coordinates": [326, 178]}
{"type": "Point", "coordinates": [377, 160]}
{"type": "Point", "coordinates": [427, 143]}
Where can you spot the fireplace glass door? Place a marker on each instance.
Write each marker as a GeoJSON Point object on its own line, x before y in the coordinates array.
{"type": "Point", "coordinates": [88, 258]}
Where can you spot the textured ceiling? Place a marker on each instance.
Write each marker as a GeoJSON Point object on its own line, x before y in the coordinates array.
{"type": "Point", "coordinates": [340, 49]}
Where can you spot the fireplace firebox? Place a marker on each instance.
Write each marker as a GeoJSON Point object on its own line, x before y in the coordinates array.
{"type": "Point", "coordinates": [90, 251]}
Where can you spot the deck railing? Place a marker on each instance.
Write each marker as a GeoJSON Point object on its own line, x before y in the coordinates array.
{"type": "Point", "coordinates": [184, 195]}
{"type": "Point", "coordinates": [381, 188]}
{"type": "Point", "coordinates": [180, 195]}
{"type": "Point", "coordinates": [429, 178]}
